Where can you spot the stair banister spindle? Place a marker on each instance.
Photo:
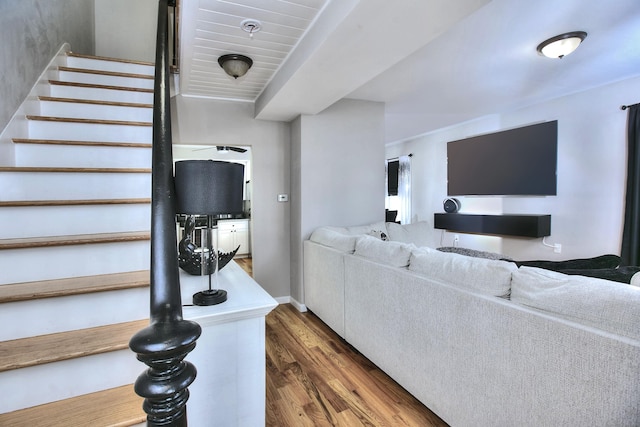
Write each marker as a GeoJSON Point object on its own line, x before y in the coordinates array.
{"type": "Point", "coordinates": [168, 339]}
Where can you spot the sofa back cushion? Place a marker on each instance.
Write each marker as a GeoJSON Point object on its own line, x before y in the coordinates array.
{"type": "Point", "coordinates": [483, 275]}
{"type": "Point", "coordinates": [334, 238]}
{"type": "Point", "coordinates": [395, 254]}
{"type": "Point", "coordinates": [610, 306]}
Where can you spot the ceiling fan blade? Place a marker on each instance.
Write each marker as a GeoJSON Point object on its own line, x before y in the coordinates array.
{"type": "Point", "coordinates": [223, 148]}
{"type": "Point", "coordinates": [237, 149]}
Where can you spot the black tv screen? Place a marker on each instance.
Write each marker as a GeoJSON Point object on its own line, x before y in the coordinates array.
{"type": "Point", "coordinates": [515, 162]}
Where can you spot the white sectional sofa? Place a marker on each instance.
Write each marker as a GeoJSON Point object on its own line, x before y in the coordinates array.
{"type": "Point", "coordinates": [480, 342]}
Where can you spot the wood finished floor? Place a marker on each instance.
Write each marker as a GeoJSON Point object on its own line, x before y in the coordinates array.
{"type": "Point", "coordinates": [315, 379]}
{"type": "Point", "coordinates": [246, 264]}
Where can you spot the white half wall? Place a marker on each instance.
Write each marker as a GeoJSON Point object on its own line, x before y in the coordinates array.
{"type": "Point", "coordinates": [199, 121]}
{"type": "Point", "coordinates": [586, 214]}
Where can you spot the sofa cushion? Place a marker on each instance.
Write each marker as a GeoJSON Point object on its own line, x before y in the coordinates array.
{"type": "Point", "coordinates": [395, 254]}
{"type": "Point", "coordinates": [417, 233]}
{"type": "Point", "coordinates": [603, 304]}
{"type": "Point", "coordinates": [483, 275]}
{"type": "Point", "coordinates": [334, 239]}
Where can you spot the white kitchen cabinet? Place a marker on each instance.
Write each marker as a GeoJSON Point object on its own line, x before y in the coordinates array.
{"type": "Point", "coordinates": [234, 232]}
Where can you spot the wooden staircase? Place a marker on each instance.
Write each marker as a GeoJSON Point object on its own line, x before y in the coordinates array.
{"type": "Point", "coordinates": [74, 248]}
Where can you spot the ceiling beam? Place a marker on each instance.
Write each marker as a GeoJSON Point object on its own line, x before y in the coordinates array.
{"type": "Point", "coordinates": [352, 42]}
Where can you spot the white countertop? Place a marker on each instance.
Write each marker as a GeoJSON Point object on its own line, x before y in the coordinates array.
{"type": "Point", "coordinates": [245, 297]}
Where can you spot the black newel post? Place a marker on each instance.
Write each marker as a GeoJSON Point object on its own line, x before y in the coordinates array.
{"type": "Point", "coordinates": [168, 339]}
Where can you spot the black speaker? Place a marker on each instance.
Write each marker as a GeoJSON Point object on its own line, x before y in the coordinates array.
{"type": "Point", "coordinates": [451, 205]}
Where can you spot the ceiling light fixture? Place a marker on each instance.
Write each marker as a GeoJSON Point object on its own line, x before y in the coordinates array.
{"type": "Point", "coordinates": [562, 45]}
{"type": "Point", "coordinates": [235, 65]}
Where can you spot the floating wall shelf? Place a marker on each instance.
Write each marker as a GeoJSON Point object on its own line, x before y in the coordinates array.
{"type": "Point", "coordinates": [509, 225]}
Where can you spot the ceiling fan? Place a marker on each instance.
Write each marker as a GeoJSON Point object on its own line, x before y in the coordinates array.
{"type": "Point", "coordinates": [224, 149]}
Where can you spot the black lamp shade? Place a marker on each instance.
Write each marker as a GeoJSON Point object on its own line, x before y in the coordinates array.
{"type": "Point", "coordinates": [209, 187]}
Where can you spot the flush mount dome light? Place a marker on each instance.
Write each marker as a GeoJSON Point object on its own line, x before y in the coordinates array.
{"type": "Point", "coordinates": [235, 65]}
{"type": "Point", "coordinates": [562, 45]}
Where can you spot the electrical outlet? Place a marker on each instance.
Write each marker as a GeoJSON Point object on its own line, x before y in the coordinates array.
{"type": "Point", "coordinates": [557, 248]}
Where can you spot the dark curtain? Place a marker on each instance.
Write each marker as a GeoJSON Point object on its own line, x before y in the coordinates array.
{"type": "Point", "coordinates": [630, 251]}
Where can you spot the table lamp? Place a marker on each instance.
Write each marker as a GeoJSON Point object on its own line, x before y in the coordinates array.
{"type": "Point", "coordinates": [211, 188]}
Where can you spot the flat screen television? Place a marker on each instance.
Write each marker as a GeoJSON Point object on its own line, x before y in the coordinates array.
{"type": "Point", "coordinates": [515, 162]}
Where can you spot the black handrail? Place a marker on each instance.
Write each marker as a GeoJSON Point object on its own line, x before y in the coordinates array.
{"type": "Point", "coordinates": [168, 339]}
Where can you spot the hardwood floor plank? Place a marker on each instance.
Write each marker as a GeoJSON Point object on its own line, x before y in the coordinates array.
{"type": "Point", "coordinates": [314, 378]}
{"type": "Point", "coordinates": [246, 264]}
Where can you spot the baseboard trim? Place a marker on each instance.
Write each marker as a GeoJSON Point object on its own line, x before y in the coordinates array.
{"type": "Point", "coordinates": [289, 300]}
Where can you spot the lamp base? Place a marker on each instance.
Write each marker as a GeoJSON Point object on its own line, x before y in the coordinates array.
{"type": "Point", "coordinates": [210, 297]}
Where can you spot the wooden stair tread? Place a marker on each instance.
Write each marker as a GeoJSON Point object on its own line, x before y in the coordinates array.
{"type": "Point", "coordinates": [89, 121]}
{"type": "Point", "coordinates": [116, 407]}
{"type": "Point", "coordinates": [86, 202]}
{"type": "Point", "coordinates": [72, 170]}
{"type": "Point", "coordinates": [38, 350]}
{"type": "Point", "coordinates": [83, 143]}
{"type": "Point", "coordinates": [96, 86]}
{"type": "Point", "coordinates": [106, 58]}
{"type": "Point", "coordinates": [73, 286]}
{"type": "Point", "coordinates": [106, 73]}
{"type": "Point", "coordinates": [96, 102]}
{"type": "Point", "coordinates": [80, 239]}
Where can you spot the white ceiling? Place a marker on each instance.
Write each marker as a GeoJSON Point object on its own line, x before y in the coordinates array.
{"type": "Point", "coordinates": [433, 63]}
{"type": "Point", "coordinates": [212, 28]}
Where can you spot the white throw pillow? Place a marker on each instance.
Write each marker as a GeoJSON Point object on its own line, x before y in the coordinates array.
{"type": "Point", "coordinates": [417, 233]}
{"type": "Point", "coordinates": [376, 227]}
{"type": "Point", "coordinates": [395, 254]}
{"type": "Point", "coordinates": [607, 305]}
{"type": "Point", "coordinates": [334, 239]}
{"type": "Point", "coordinates": [483, 275]}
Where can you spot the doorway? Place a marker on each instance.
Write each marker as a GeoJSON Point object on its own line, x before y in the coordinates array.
{"type": "Point", "coordinates": [235, 231]}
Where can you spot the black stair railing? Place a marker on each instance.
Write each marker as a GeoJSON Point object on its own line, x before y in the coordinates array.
{"type": "Point", "coordinates": [164, 344]}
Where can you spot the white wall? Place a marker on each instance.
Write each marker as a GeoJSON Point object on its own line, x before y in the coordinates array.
{"type": "Point", "coordinates": [200, 121]}
{"type": "Point", "coordinates": [32, 32]}
{"type": "Point", "coordinates": [126, 29]}
{"type": "Point", "coordinates": [587, 213]}
{"type": "Point", "coordinates": [339, 162]}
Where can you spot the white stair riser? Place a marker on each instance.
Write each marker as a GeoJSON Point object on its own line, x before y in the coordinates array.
{"type": "Point", "coordinates": [98, 94]}
{"type": "Point", "coordinates": [101, 79]}
{"type": "Point", "coordinates": [89, 131]}
{"type": "Point", "coordinates": [74, 186]}
{"type": "Point", "coordinates": [95, 111]}
{"type": "Point", "coordinates": [44, 221]}
{"type": "Point", "coordinates": [24, 318]}
{"type": "Point", "coordinates": [119, 67]}
{"type": "Point", "coordinates": [69, 378]}
{"type": "Point", "coordinates": [33, 264]}
{"type": "Point", "coordinates": [82, 156]}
